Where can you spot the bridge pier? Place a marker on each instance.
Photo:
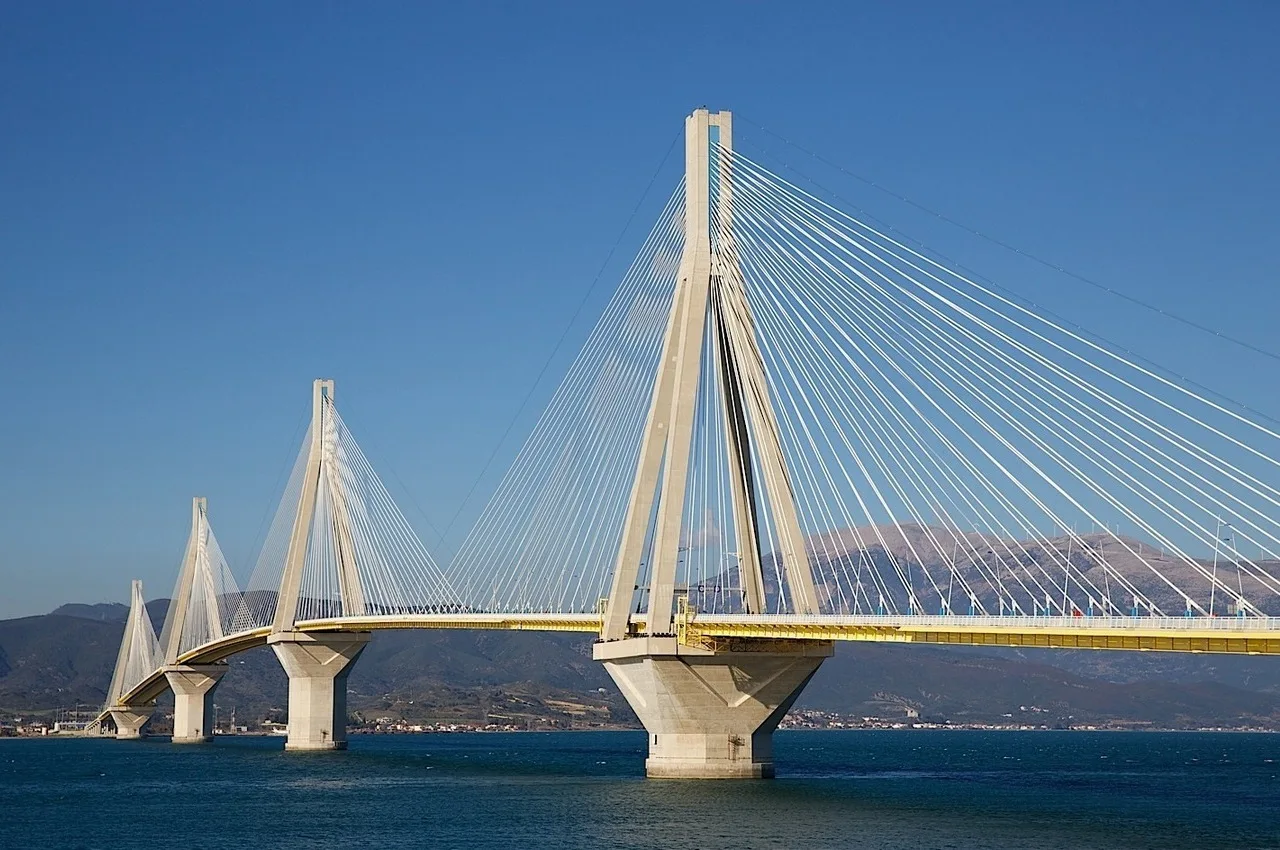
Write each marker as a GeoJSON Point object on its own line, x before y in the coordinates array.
{"type": "Point", "coordinates": [710, 713]}
{"type": "Point", "coordinates": [129, 720]}
{"type": "Point", "coordinates": [317, 664]}
{"type": "Point", "coordinates": [193, 686]}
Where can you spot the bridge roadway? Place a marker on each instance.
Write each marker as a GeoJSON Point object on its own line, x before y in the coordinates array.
{"type": "Point", "coordinates": [1238, 635]}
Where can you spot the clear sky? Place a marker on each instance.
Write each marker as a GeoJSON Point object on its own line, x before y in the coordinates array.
{"type": "Point", "coordinates": [205, 206]}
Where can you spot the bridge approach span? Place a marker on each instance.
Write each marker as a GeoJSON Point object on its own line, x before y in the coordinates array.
{"type": "Point", "coordinates": [1233, 635]}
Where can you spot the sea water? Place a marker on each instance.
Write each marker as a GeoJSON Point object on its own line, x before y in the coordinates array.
{"type": "Point", "coordinates": [849, 789]}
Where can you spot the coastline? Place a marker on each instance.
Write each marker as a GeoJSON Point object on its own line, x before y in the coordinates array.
{"type": "Point", "coordinates": [73, 736]}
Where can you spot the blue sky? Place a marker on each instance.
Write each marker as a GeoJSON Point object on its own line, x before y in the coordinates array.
{"type": "Point", "coordinates": [202, 207]}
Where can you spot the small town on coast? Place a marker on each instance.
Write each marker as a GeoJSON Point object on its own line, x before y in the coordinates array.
{"type": "Point", "coordinates": [77, 723]}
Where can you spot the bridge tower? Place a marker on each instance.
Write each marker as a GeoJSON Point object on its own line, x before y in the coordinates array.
{"type": "Point", "coordinates": [134, 661]}
{"type": "Point", "coordinates": [710, 711]}
{"type": "Point", "coordinates": [193, 684]}
{"type": "Point", "coordinates": [318, 663]}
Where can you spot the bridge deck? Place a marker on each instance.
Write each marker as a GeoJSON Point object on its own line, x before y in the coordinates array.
{"type": "Point", "coordinates": [1237, 635]}
{"type": "Point", "coordinates": [1253, 635]}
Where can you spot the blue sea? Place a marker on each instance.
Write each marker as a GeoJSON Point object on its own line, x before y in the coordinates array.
{"type": "Point", "coordinates": [959, 790]}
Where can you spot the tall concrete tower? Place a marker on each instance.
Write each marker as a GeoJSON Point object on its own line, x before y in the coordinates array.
{"type": "Point", "coordinates": [709, 713]}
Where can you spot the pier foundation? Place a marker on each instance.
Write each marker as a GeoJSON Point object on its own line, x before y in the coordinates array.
{"type": "Point", "coordinates": [130, 719]}
{"type": "Point", "coordinates": [193, 686]}
{"type": "Point", "coordinates": [711, 713]}
{"type": "Point", "coordinates": [317, 664]}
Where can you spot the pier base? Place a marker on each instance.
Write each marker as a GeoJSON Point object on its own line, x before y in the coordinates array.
{"type": "Point", "coordinates": [129, 721]}
{"type": "Point", "coordinates": [193, 686]}
{"type": "Point", "coordinates": [710, 714]}
{"type": "Point", "coordinates": [317, 664]}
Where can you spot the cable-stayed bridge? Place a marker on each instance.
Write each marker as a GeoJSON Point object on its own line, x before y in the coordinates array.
{"type": "Point", "coordinates": [788, 428]}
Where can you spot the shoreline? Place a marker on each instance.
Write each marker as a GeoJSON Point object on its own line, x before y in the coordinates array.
{"type": "Point", "coordinates": [63, 736]}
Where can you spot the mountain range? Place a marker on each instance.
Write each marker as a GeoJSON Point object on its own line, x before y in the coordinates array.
{"type": "Point", "coordinates": [1102, 566]}
{"type": "Point", "coordinates": [63, 658]}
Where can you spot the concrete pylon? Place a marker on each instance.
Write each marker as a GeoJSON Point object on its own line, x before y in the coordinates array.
{"type": "Point", "coordinates": [711, 714]}
{"type": "Point", "coordinates": [130, 720]}
{"type": "Point", "coordinates": [710, 298]}
{"type": "Point", "coordinates": [321, 472]}
{"type": "Point", "coordinates": [710, 710]}
{"type": "Point", "coordinates": [136, 660]}
{"type": "Point", "coordinates": [195, 571]}
{"type": "Point", "coordinates": [317, 664]}
{"type": "Point", "coordinates": [193, 686]}
{"type": "Point", "coordinates": [195, 574]}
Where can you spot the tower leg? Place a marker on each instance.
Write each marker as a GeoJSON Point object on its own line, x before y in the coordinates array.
{"type": "Point", "coordinates": [317, 665]}
{"type": "Point", "coordinates": [193, 686]}
{"type": "Point", "coordinates": [130, 719]}
{"type": "Point", "coordinates": [711, 714]}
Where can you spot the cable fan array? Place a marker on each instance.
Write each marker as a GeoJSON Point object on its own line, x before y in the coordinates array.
{"type": "Point", "coordinates": [947, 446]}
{"type": "Point", "coordinates": [548, 539]}
{"type": "Point", "coordinates": [214, 605]}
{"type": "Point", "coordinates": [948, 449]}
{"type": "Point", "coordinates": [362, 556]}
{"type": "Point", "coordinates": [139, 654]}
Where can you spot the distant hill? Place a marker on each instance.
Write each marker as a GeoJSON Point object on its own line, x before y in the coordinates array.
{"type": "Point", "coordinates": [1245, 672]}
{"type": "Point", "coordinates": [106, 611]}
{"type": "Point", "coordinates": [112, 612]}
{"type": "Point", "coordinates": [55, 660]}
{"type": "Point", "coordinates": [940, 682]}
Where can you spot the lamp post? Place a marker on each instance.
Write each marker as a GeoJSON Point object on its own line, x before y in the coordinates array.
{"type": "Point", "coordinates": [1213, 584]}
